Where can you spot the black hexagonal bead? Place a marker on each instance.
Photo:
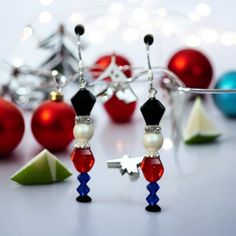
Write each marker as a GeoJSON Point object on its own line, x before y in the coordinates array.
{"type": "Point", "coordinates": [83, 102]}
{"type": "Point", "coordinates": [152, 111]}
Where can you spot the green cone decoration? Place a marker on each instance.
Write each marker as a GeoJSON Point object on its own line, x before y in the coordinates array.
{"type": "Point", "coordinates": [44, 168]}
{"type": "Point", "coordinates": [199, 128]}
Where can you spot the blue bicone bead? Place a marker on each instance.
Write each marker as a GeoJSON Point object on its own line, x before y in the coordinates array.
{"type": "Point", "coordinates": [83, 188]}
{"type": "Point", "coordinates": [152, 198]}
{"type": "Point", "coordinates": [83, 178]}
{"type": "Point", "coordinates": [153, 187]}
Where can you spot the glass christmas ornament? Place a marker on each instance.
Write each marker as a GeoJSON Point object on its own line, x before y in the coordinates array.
{"type": "Point", "coordinates": [53, 121]}
{"type": "Point", "coordinates": [12, 127]}
{"type": "Point", "coordinates": [121, 105]}
{"type": "Point", "coordinates": [226, 102]}
{"type": "Point", "coordinates": [104, 61]}
{"type": "Point", "coordinates": [118, 110]}
{"type": "Point", "coordinates": [192, 67]}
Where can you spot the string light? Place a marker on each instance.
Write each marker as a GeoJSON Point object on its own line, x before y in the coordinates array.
{"type": "Point", "coordinates": [17, 62]}
{"type": "Point", "coordinates": [142, 18]}
{"type": "Point", "coordinates": [75, 18]}
{"type": "Point", "coordinates": [45, 2]}
{"type": "Point", "coordinates": [193, 16]}
{"type": "Point", "coordinates": [161, 12]}
{"type": "Point", "coordinates": [227, 38]}
{"type": "Point", "coordinates": [203, 9]}
{"type": "Point", "coordinates": [140, 14]}
{"type": "Point", "coordinates": [209, 36]}
{"type": "Point", "coordinates": [45, 17]}
{"type": "Point", "coordinates": [146, 26]}
{"type": "Point", "coordinates": [167, 144]}
{"type": "Point", "coordinates": [193, 40]}
{"type": "Point", "coordinates": [131, 34]}
{"type": "Point", "coordinates": [95, 36]}
{"type": "Point", "coordinates": [167, 28]}
{"type": "Point", "coordinates": [112, 24]}
{"type": "Point", "coordinates": [116, 7]}
{"type": "Point", "coordinates": [26, 33]}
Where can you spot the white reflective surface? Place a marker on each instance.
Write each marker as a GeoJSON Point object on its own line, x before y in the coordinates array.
{"type": "Point", "coordinates": [197, 191]}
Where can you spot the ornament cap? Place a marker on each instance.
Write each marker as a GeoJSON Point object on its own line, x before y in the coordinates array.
{"type": "Point", "coordinates": [56, 96]}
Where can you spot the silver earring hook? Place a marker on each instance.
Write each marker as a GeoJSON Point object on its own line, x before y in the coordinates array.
{"type": "Point", "coordinates": [79, 31]}
{"type": "Point", "coordinates": [148, 40]}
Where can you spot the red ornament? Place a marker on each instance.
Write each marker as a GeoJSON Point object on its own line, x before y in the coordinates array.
{"type": "Point", "coordinates": [152, 168]}
{"type": "Point", "coordinates": [52, 125]}
{"type": "Point", "coordinates": [104, 61]}
{"type": "Point", "coordinates": [117, 109]}
{"type": "Point", "coordinates": [192, 67]}
{"type": "Point", "coordinates": [83, 159]}
{"type": "Point", "coordinates": [12, 127]}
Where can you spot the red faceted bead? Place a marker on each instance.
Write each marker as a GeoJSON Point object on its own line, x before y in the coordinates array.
{"type": "Point", "coordinates": [83, 159]}
{"type": "Point", "coordinates": [152, 168]}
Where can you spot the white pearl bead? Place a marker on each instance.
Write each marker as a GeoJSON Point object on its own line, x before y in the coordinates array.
{"type": "Point", "coordinates": [152, 142]}
{"type": "Point", "coordinates": [83, 132]}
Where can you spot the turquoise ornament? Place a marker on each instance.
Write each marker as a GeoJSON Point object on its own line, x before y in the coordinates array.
{"type": "Point", "coordinates": [226, 102]}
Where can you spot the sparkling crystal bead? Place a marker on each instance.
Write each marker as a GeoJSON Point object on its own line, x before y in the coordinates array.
{"type": "Point", "coordinates": [83, 102]}
{"type": "Point", "coordinates": [152, 168]}
{"type": "Point", "coordinates": [83, 178]}
{"type": "Point", "coordinates": [83, 188]}
{"type": "Point", "coordinates": [152, 198]}
{"type": "Point", "coordinates": [83, 159]}
{"type": "Point", "coordinates": [153, 187]}
{"type": "Point", "coordinates": [152, 111]}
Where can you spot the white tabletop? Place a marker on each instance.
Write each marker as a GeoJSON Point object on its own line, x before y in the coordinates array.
{"type": "Point", "coordinates": [197, 193]}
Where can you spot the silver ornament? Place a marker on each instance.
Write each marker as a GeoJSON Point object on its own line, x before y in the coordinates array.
{"type": "Point", "coordinates": [127, 165]}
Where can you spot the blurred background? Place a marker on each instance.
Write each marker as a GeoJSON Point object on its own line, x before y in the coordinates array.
{"type": "Point", "coordinates": [118, 26]}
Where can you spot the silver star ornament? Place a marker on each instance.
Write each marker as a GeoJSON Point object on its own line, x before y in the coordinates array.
{"type": "Point", "coordinates": [127, 165]}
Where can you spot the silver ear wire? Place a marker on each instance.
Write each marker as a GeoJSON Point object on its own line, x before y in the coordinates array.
{"type": "Point", "coordinates": [79, 30]}
{"type": "Point", "coordinates": [148, 40]}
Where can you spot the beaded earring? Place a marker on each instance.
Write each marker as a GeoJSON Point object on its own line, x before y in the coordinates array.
{"type": "Point", "coordinates": [151, 166]}
{"type": "Point", "coordinates": [152, 111]}
{"type": "Point", "coordinates": [83, 102]}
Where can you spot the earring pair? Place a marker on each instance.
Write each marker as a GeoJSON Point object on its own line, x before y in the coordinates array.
{"type": "Point", "coordinates": [152, 111]}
